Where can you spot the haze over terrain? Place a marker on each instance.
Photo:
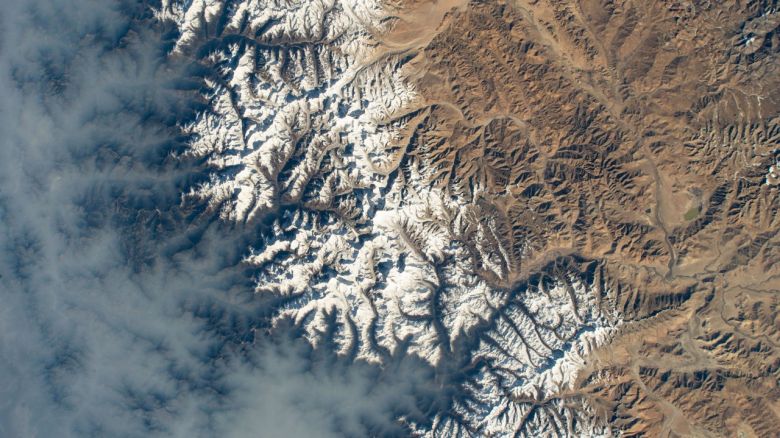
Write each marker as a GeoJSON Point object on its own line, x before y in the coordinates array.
{"type": "Point", "coordinates": [389, 218]}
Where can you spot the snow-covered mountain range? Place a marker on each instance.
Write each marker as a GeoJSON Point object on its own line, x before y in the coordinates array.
{"type": "Point", "coordinates": [306, 130]}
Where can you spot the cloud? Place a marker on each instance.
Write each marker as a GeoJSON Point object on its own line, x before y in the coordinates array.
{"type": "Point", "coordinates": [124, 314]}
{"type": "Point", "coordinates": [287, 389]}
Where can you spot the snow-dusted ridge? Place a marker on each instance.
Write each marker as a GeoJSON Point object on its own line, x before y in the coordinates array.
{"type": "Point", "coordinates": [305, 115]}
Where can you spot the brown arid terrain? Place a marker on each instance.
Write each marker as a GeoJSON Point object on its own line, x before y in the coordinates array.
{"type": "Point", "coordinates": [635, 141]}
